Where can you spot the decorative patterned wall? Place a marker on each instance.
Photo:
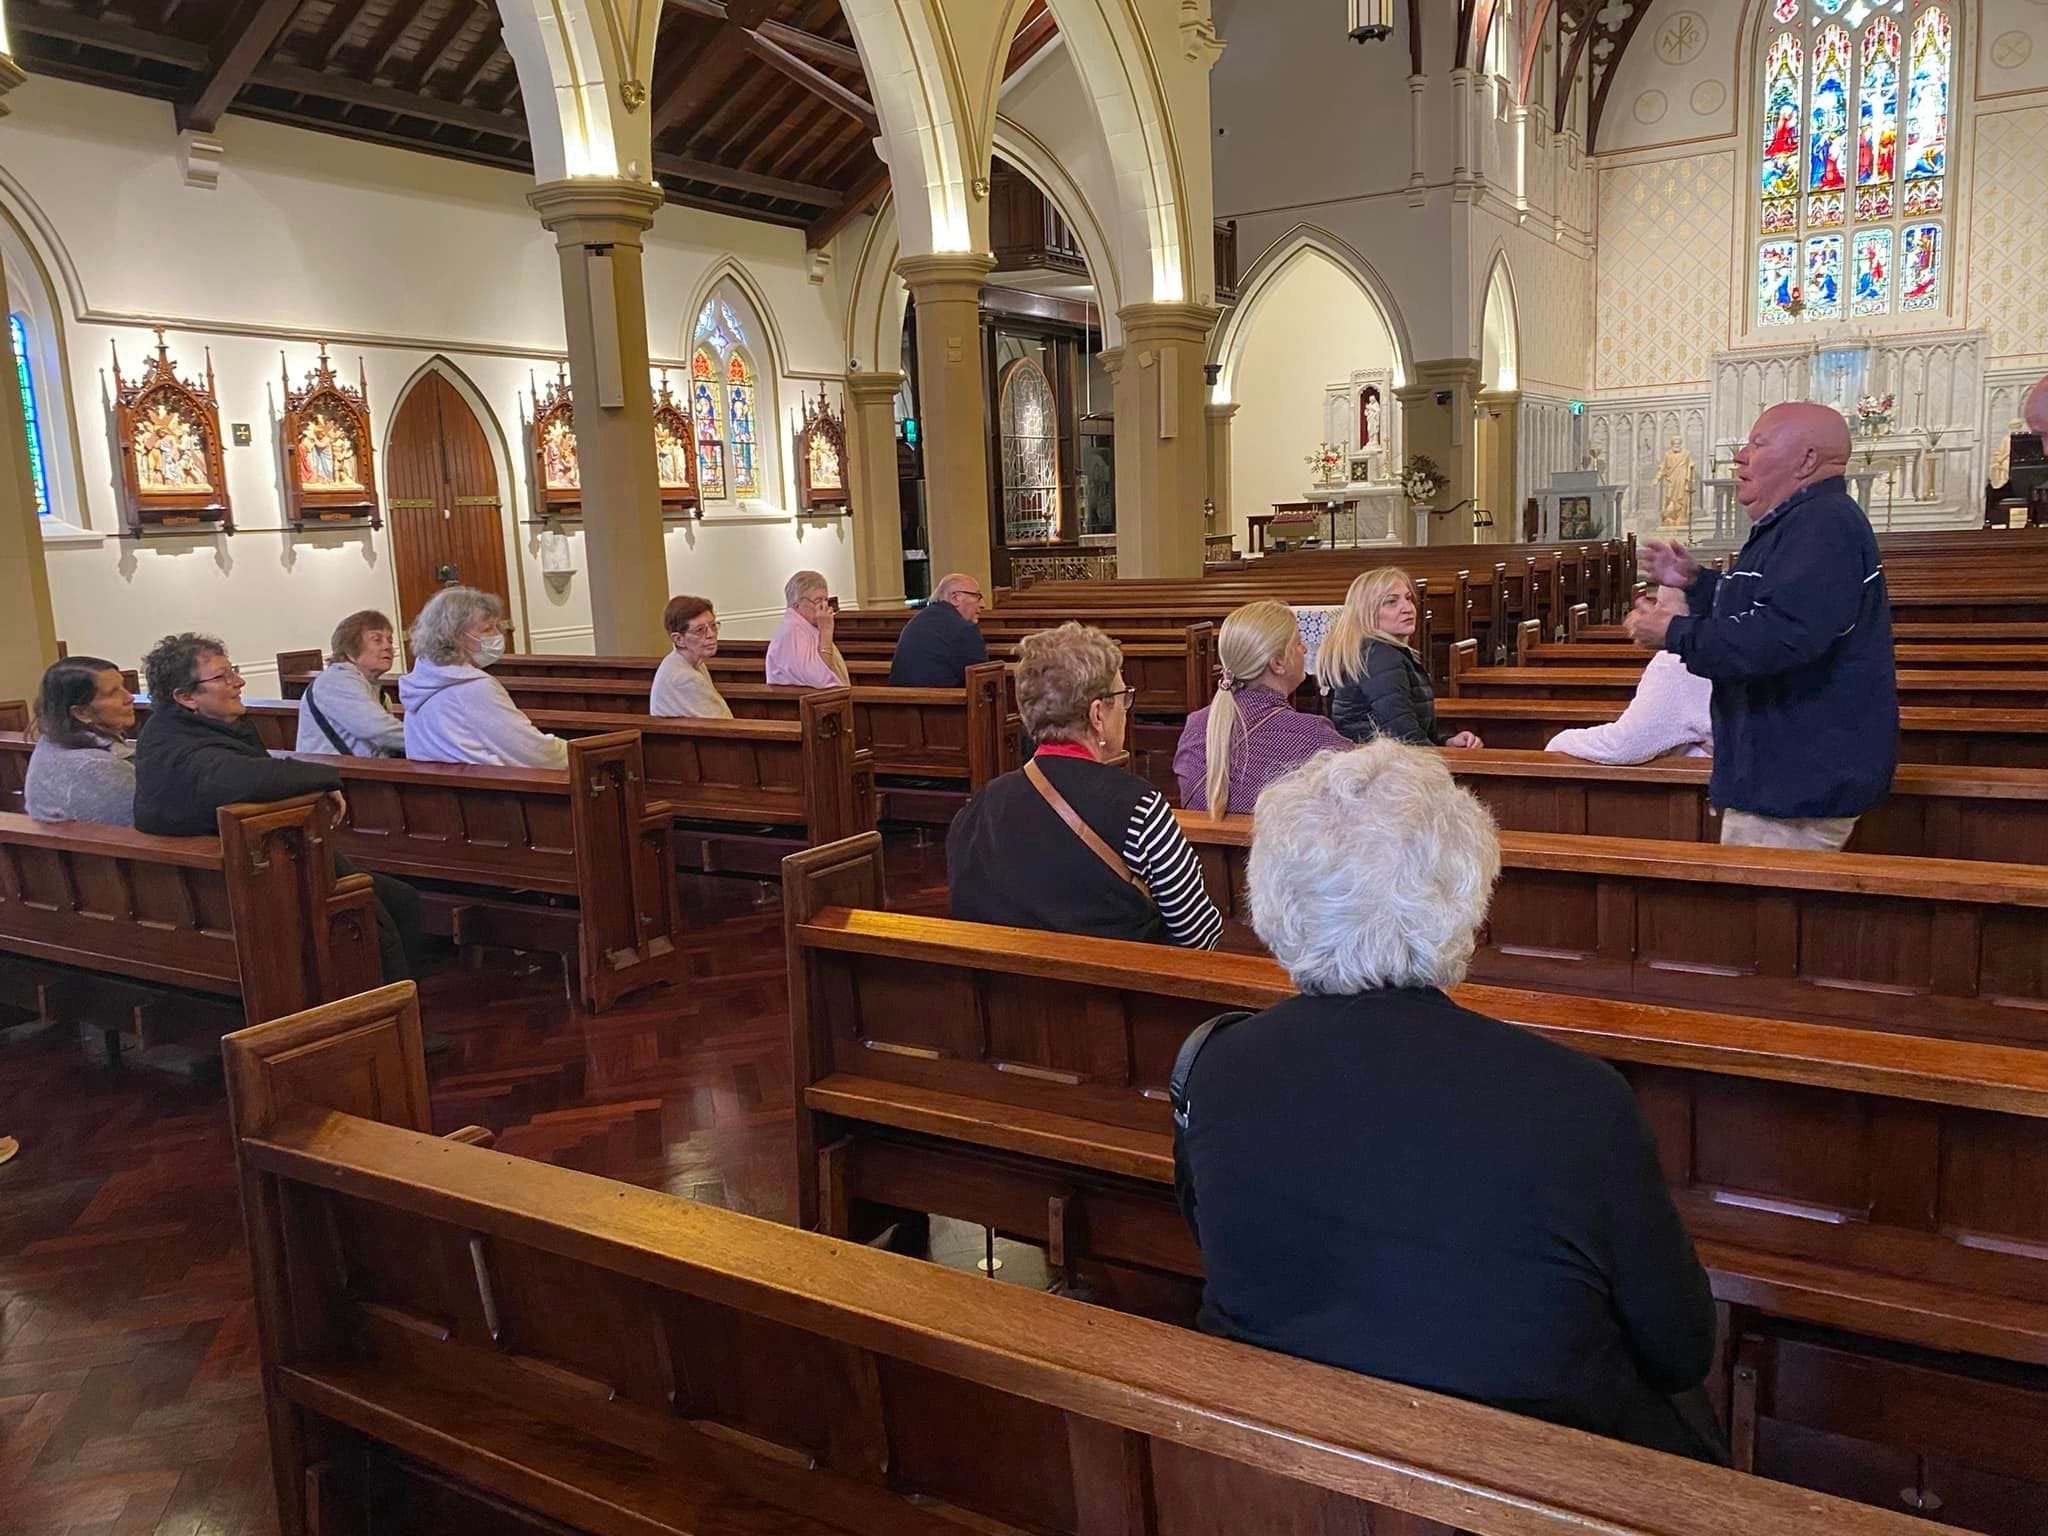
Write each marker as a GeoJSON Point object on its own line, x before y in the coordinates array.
{"type": "Point", "coordinates": [1546, 442]}
{"type": "Point", "coordinates": [1553, 311]}
{"type": "Point", "coordinates": [1662, 289]}
{"type": "Point", "coordinates": [2008, 278]}
{"type": "Point", "coordinates": [1632, 436]}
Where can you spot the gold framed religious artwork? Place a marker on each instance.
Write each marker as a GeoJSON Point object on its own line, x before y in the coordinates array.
{"type": "Point", "coordinates": [674, 449]}
{"type": "Point", "coordinates": [821, 458]}
{"type": "Point", "coordinates": [329, 472]}
{"type": "Point", "coordinates": [557, 473]}
{"type": "Point", "coordinates": [173, 477]}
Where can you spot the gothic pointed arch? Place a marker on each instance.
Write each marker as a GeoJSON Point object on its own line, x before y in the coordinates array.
{"type": "Point", "coordinates": [1500, 328]}
{"type": "Point", "coordinates": [1304, 242]}
{"type": "Point", "coordinates": [38, 365]}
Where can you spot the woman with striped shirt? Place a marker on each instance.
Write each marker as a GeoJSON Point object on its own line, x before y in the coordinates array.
{"type": "Point", "coordinates": [1069, 843]}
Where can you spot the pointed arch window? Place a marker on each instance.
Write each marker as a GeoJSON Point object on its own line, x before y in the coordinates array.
{"type": "Point", "coordinates": [24, 377]}
{"type": "Point", "coordinates": [1852, 179]}
{"type": "Point", "coordinates": [725, 393]}
{"type": "Point", "coordinates": [739, 412]}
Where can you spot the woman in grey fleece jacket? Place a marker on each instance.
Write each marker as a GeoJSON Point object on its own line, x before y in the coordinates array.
{"type": "Point", "coordinates": [83, 766]}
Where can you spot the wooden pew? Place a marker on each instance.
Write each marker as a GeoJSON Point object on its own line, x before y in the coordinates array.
{"type": "Point", "coordinates": [542, 838]}
{"type": "Point", "coordinates": [1838, 1183]}
{"type": "Point", "coordinates": [1936, 947]}
{"type": "Point", "coordinates": [1910, 655]}
{"type": "Point", "coordinates": [255, 912]}
{"type": "Point", "coordinates": [1991, 738]}
{"type": "Point", "coordinates": [963, 736]}
{"type": "Point", "coordinates": [718, 1375]}
{"type": "Point", "coordinates": [1982, 814]}
{"type": "Point", "coordinates": [1934, 689]}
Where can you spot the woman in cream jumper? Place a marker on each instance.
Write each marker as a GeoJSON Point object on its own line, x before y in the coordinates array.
{"type": "Point", "coordinates": [682, 686]}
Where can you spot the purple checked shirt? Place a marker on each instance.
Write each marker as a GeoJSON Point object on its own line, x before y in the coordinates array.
{"type": "Point", "coordinates": [1277, 739]}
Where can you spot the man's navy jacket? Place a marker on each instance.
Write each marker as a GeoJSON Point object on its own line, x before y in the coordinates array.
{"type": "Point", "coordinates": [1797, 639]}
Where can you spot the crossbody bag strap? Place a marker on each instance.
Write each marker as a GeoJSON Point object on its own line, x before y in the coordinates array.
{"type": "Point", "coordinates": [1081, 829]}
{"type": "Point", "coordinates": [345, 743]}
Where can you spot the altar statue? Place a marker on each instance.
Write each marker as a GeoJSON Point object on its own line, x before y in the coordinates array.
{"type": "Point", "coordinates": [1675, 475]}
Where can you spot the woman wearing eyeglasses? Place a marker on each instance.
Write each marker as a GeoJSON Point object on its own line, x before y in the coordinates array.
{"type": "Point", "coordinates": [682, 685]}
{"type": "Point", "coordinates": [1072, 842]}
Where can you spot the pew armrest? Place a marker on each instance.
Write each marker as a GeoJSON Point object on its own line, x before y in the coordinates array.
{"type": "Point", "coordinates": [473, 1136]}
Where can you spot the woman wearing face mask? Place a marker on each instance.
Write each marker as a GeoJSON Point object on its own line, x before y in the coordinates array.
{"type": "Point", "coordinates": [455, 712]}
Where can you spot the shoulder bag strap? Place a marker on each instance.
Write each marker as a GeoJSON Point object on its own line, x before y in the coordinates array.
{"type": "Point", "coordinates": [1081, 829]}
{"type": "Point", "coordinates": [346, 745]}
{"type": "Point", "coordinates": [1177, 1094]}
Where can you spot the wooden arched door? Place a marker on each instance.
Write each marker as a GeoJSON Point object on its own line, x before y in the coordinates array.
{"type": "Point", "coordinates": [442, 499]}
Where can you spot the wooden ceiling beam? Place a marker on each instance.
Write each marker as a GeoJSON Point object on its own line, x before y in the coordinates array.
{"type": "Point", "coordinates": [430, 56]}
{"type": "Point", "coordinates": [107, 34]}
{"type": "Point", "coordinates": [339, 23]}
{"type": "Point", "coordinates": [486, 48]}
{"type": "Point", "coordinates": [396, 23]}
{"type": "Point", "coordinates": [814, 80]}
{"type": "Point", "coordinates": [252, 30]}
{"type": "Point", "coordinates": [352, 92]}
{"type": "Point", "coordinates": [820, 50]}
{"type": "Point", "coordinates": [686, 169]}
{"type": "Point", "coordinates": [852, 206]}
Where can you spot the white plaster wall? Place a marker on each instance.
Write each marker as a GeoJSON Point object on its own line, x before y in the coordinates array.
{"type": "Point", "coordinates": [397, 257]}
{"type": "Point", "coordinates": [2011, 47]}
{"type": "Point", "coordinates": [1679, 82]}
{"type": "Point", "coordinates": [1313, 328]}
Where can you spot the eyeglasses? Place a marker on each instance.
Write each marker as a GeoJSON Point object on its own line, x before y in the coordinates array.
{"type": "Point", "coordinates": [234, 672]}
{"type": "Point", "coordinates": [701, 631]}
{"type": "Point", "coordinates": [1127, 696]}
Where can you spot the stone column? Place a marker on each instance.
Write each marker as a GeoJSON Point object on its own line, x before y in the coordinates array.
{"type": "Point", "coordinates": [877, 495]}
{"type": "Point", "coordinates": [597, 224]}
{"type": "Point", "coordinates": [1499, 434]}
{"type": "Point", "coordinates": [28, 638]}
{"type": "Point", "coordinates": [953, 408]}
{"type": "Point", "coordinates": [1162, 439]}
{"type": "Point", "coordinates": [1221, 417]}
{"type": "Point", "coordinates": [1444, 433]}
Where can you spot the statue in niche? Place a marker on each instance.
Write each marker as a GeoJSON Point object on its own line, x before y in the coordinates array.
{"type": "Point", "coordinates": [1369, 408]}
{"type": "Point", "coordinates": [1675, 475]}
{"type": "Point", "coordinates": [671, 458]}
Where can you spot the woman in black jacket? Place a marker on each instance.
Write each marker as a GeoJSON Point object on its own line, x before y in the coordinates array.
{"type": "Point", "coordinates": [1377, 683]}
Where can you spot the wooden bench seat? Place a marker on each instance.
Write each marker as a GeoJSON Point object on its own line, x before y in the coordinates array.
{"type": "Point", "coordinates": [1992, 738]}
{"type": "Point", "coordinates": [1935, 947]}
{"type": "Point", "coordinates": [1937, 688]}
{"type": "Point", "coordinates": [725, 1376]}
{"type": "Point", "coordinates": [584, 858]}
{"type": "Point", "coordinates": [1834, 1178]}
{"type": "Point", "coordinates": [255, 913]}
{"type": "Point", "coordinates": [1934, 810]}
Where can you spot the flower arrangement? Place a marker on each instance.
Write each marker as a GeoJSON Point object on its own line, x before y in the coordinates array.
{"type": "Point", "coordinates": [1422, 478]}
{"type": "Point", "coordinates": [1328, 463]}
{"type": "Point", "coordinates": [1874, 414]}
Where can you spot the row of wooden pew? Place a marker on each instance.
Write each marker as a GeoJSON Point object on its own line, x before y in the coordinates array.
{"type": "Point", "coordinates": [1867, 1202]}
{"type": "Point", "coordinates": [718, 1375]}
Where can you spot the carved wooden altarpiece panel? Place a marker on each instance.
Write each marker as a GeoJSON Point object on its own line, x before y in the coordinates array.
{"type": "Point", "coordinates": [329, 468]}
{"type": "Point", "coordinates": [675, 451]}
{"type": "Point", "coordinates": [557, 472]}
{"type": "Point", "coordinates": [821, 458]}
{"type": "Point", "coordinates": [173, 476]}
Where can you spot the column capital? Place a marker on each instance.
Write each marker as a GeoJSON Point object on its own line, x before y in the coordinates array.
{"type": "Point", "coordinates": [1112, 360]}
{"type": "Point", "coordinates": [1223, 410]}
{"type": "Point", "coordinates": [1498, 396]}
{"type": "Point", "coordinates": [11, 75]}
{"type": "Point", "coordinates": [944, 275]}
{"type": "Point", "coordinates": [1168, 322]}
{"type": "Point", "coordinates": [596, 210]}
{"type": "Point", "coordinates": [867, 387]}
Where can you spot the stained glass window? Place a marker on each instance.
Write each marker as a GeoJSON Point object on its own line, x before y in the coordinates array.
{"type": "Point", "coordinates": [1833, 175]}
{"type": "Point", "coordinates": [707, 408]}
{"type": "Point", "coordinates": [739, 395]}
{"type": "Point", "coordinates": [17, 336]}
{"type": "Point", "coordinates": [1871, 293]}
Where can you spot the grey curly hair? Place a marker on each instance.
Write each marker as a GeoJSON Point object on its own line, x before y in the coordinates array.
{"type": "Point", "coordinates": [1371, 868]}
{"type": "Point", "coordinates": [1060, 672]}
{"type": "Point", "coordinates": [437, 634]}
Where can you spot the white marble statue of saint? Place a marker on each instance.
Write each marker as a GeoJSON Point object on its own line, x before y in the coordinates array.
{"type": "Point", "coordinates": [1675, 475]}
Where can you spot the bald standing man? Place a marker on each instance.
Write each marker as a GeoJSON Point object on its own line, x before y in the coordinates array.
{"type": "Point", "coordinates": [943, 640]}
{"type": "Point", "coordinates": [1796, 639]}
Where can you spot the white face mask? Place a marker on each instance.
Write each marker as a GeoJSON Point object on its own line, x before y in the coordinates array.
{"type": "Point", "coordinates": [489, 650]}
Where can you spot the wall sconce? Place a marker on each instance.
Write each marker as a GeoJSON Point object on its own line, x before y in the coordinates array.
{"type": "Point", "coordinates": [1371, 20]}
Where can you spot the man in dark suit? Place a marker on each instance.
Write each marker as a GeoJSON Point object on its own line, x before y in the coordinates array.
{"type": "Point", "coordinates": [938, 646]}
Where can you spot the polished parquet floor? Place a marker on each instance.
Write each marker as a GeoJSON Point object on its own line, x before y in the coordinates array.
{"type": "Point", "coordinates": [128, 1392]}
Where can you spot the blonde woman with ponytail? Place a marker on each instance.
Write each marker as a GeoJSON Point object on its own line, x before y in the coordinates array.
{"type": "Point", "coordinates": [1368, 663]}
{"type": "Point", "coordinates": [1249, 735]}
